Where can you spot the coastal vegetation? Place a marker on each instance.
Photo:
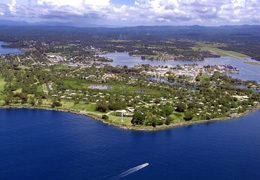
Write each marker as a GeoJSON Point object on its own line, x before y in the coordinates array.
{"type": "Point", "coordinates": [70, 73]}
{"type": "Point", "coordinates": [253, 63]}
{"type": "Point", "coordinates": [131, 99]}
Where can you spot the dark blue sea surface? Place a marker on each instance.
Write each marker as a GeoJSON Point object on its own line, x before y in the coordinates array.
{"type": "Point", "coordinates": [4, 51]}
{"type": "Point", "coordinates": [50, 145]}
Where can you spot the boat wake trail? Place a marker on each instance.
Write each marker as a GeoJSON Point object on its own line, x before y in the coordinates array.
{"type": "Point", "coordinates": [130, 171]}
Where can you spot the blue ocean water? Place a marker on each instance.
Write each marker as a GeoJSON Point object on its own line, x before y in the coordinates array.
{"type": "Point", "coordinates": [50, 145]}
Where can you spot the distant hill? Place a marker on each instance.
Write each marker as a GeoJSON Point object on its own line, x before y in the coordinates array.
{"type": "Point", "coordinates": [24, 23]}
{"type": "Point", "coordinates": [244, 39]}
{"type": "Point", "coordinates": [50, 23]}
{"type": "Point", "coordinates": [13, 23]}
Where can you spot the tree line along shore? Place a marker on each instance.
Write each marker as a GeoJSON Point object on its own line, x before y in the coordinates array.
{"type": "Point", "coordinates": [127, 97]}
{"type": "Point", "coordinates": [66, 69]}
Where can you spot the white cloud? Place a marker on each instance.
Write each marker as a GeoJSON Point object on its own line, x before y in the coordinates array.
{"type": "Point", "coordinates": [97, 2]}
{"type": "Point", "coordinates": [12, 7]}
{"type": "Point", "coordinates": [143, 12]}
{"type": "Point", "coordinates": [74, 3]}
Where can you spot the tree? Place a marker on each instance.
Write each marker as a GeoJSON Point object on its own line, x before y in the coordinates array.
{"type": "Point", "coordinates": [117, 105]}
{"type": "Point", "coordinates": [40, 102]}
{"type": "Point", "coordinates": [191, 105]}
{"type": "Point", "coordinates": [56, 103]}
{"type": "Point", "coordinates": [150, 119]}
{"type": "Point", "coordinates": [169, 120]}
{"type": "Point", "coordinates": [101, 107]}
{"type": "Point", "coordinates": [181, 107]}
{"type": "Point", "coordinates": [105, 117]}
{"type": "Point", "coordinates": [76, 101]}
{"type": "Point", "coordinates": [168, 110]}
{"type": "Point", "coordinates": [138, 118]}
{"type": "Point", "coordinates": [7, 101]}
{"type": "Point", "coordinates": [188, 115]}
{"type": "Point", "coordinates": [32, 101]}
{"type": "Point", "coordinates": [23, 97]}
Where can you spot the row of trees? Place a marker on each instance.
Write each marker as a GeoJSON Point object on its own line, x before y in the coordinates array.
{"type": "Point", "coordinates": [104, 106]}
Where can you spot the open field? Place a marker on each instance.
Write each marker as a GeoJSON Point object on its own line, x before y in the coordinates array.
{"type": "Point", "coordinates": [54, 54]}
{"type": "Point", "coordinates": [2, 83]}
{"type": "Point", "coordinates": [215, 47]}
{"type": "Point", "coordinates": [253, 63]}
{"type": "Point", "coordinates": [39, 88]}
{"type": "Point", "coordinates": [116, 88]}
{"type": "Point", "coordinates": [59, 67]}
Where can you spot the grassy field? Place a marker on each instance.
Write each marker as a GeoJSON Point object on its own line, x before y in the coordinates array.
{"type": "Point", "coordinates": [18, 90]}
{"type": "Point", "coordinates": [24, 67]}
{"type": "Point", "coordinates": [90, 109]}
{"type": "Point", "coordinates": [39, 88]}
{"type": "Point", "coordinates": [2, 83]}
{"type": "Point", "coordinates": [117, 120]}
{"type": "Point", "coordinates": [59, 67]}
{"type": "Point", "coordinates": [28, 50]}
{"type": "Point", "coordinates": [63, 46]}
{"type": "Point", "coordinates": [253, 63]}
{"type": "Point", "coordinates": [235, 53]}
{"type": "Point", "coordinates": [86, 107]}
{"type": "Point", "coordinates": [215, 47]}
{"type": "Point", "coordinates": [178, 117]}
{"type": "Point", "coordinates": [53, 54]}
{"type": "Point", "coordinates": [204, 77]}
{"type": "Point", "coordinates": [115, 88]}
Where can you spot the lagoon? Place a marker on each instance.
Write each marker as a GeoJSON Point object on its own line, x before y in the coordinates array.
{"type": "Point", "coordinates": [4, 51]}
{"type": "Point", "coordinates": [246, 71]}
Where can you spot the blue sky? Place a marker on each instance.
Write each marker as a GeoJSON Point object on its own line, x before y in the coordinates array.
{"type": "Point", "coordinates": [123, 2]}
{"type": "Point", "coordinates": [133, 12]}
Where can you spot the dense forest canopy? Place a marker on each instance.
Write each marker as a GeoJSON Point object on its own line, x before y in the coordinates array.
{"type": "Point", "coordinates": [215, 34]}
{"type": "Point", "coordinates": [244, 39]}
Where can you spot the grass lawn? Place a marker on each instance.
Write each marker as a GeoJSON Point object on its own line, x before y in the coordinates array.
{"type": "Point", "coordinates": [39, 88]}
{"type": "Point", "coordinates": [253, 63]}
{"type": "Point", "coordinates": [81, 107]}
{"type": "Point", "coordinates": [24, 67]}
{"type": "Point", "coordinates": [18, 90]}
{"type": "Point", "coordinates": [85, 107]}
{"type": "Point", "coordinates": [26, 49]}
{"type": "Point", "coordinates": [74, 84]}
{"type": "Point", "coordinates": [235, 53]}
{"type": "Point", "coordinates": [178, 117]}
{"type": "Point", "coordinates": [216, 48]}
{"type": "Point", "coordinates": [53, 54]}
{"type": "Point", "coordinates": [80, 84]}
{"type": "Point", "coordinates": [204, 77]}
{"type": "Point", "coordinates": [2, 83]}
{"type": "Point", "coordinates": [63, 46]}
{"type": "Point", "coordinates": [58, 67]}
{"type": "Point", "coordinates": [117, 120]}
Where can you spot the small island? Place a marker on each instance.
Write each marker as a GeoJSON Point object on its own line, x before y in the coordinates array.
{"type": "Point", "coordinates": [252, 63]}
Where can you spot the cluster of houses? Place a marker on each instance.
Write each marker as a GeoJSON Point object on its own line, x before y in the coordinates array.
{"type": "Point", "coordinates": [190, 71]}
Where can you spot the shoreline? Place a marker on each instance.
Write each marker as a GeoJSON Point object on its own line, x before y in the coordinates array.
{"type": "Point", "coordinates": [135, 128]}
{"type": "Point", "coordinates": [14, 53]}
